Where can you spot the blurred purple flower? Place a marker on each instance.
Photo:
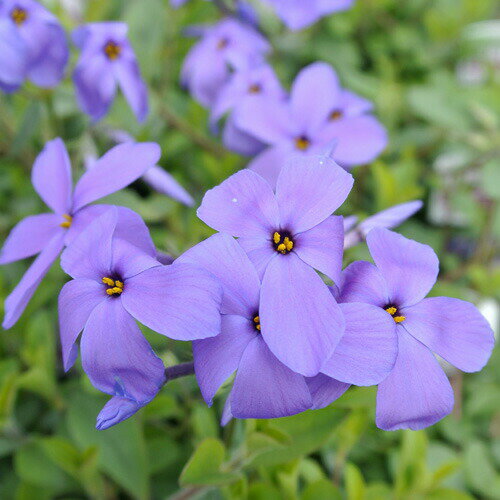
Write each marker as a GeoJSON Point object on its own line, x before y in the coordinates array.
{"type": "Point", "coordinates": [117, 280]}
{"type": "Point", "coordinates": [33, 45]}
{"type": "Point", "coordinates": [47, 234]}
{"type": "Point", "coordinates": [298, 14]}
{"type": "Point", "coordinates": [227, 45]}
{"type": "Point", "coordinates": [318, 114]}
{"type": "Point", "coordinates": [417, 392]}
{"type": "Point", "coordinates": [107, 59]}
{"type": "Point", "coordinates": [287, 236]}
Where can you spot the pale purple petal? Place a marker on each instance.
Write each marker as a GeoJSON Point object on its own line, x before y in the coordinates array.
{"type": "Point", "coordinates": [227, 416]}
{"type": "Point", "coordinates": [78, 298]}
{"type": "Point", "coordinates": [129, 260]}
{"type": "Point", "coordinates": [265, 388]}
{"type": "Point", "coordinates": [301, 322]}
{"type": "Point", "coordinates": [391, 217]}
{"type": "Point", "coordinates": [118, 168]}
{"type": "Point", "coordinates": [180, 301]}
{"type": "Point", "coordinates": [349, 222]}
{"type": "Point", "coordinates": [354, 105]}
{"type": "Point", "coordinates": [325, 390]}
{"type": "Point", "coordinates": [30, 236]}
{"type": "Point", "coordinates": [82, 219]}
{"type": "Point", "coordinates": [410, 269]}
{"type": "Point", "coordinates": [160, 180]}
{"type": "Point", "coordinates": [13, 56]}
{"type": "Point", "coordinates": [260, 251]}
{"type": "Point", "coordinates": [133, 87]}
{"type": "Point", "coordinates": [217, 358]}
{"type": "Point", "coordinates": [416, 393]}
{"type": "Point", "coordinates": [452, 328]}
{"type": "Point", "coordinates": [115, 355]}
{"type": "Point", "coordinates": [268, 163]}
{"type": "Point", "coordinates": [240, 142]}
{"type": "Point", "coordinates": [116, 410]}
{"type": "Point", "coordinates": [309, 189]}
{"type": "Point", "coordinates": [131, 228]}
{"type": "Point", "coordinates": [243, 205]}
{"type": "Point", "coordinates": [51, 176]}
{"type": "Point", "coordinates": [367, 352]}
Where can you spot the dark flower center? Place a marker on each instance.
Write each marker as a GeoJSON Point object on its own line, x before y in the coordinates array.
{"type": "Point", "coordinates": [112, 50]}
{"type": "Point", "coordinates": [256, 322]}
{"type": "Point", "coordinates": [283, 242]}
{"type": "Point", "coordinates": [222, 43]}
{"type": "Point", "coordinates": [114, 286]}
{"type": "Point", "coordinates": [255, 88]}
{"type": "Point", "coordinates": [302, 143]}
{"type": "Point", "coordinates": [394, 312]}
{"type": "Point", "coordinates": [336, 114]}
{"type": "Point", "coordinates": [19, 15]}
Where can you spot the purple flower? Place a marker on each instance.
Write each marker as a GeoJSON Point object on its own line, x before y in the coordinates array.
{"type": "Point", "coordinates": [417, 393]}
{"type": "Point", "coordinates": [32, 45]}
{"type": "Point", "coordinates": [287, 235]}
{"type": "Point", "coordinates": [226, 45]}
{"type": "Point", "coordinates": [107, 60]}
{"type": "Point", "coordinates": [389, 218]}
{"type": "Point", "coordinates": [117, 280]}
{"type": "Point", "coordinates": [298, 14]}
{"type": "Point", "coordinates": [47, 234]}
{"type": "Point", "coordinates": [264, 387]}
{"type": "Point", "coordinates": [318, 114]}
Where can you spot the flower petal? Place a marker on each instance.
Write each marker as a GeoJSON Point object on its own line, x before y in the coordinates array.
{"type": "Point", "coordinates": [416, 393]}
{"type": "Point", "coordinates": [160, 180]}
{"type": "Point", "coordinates": [217, 358]}
{"type": "Point", "coordinates": [367, 352]}
{"type": "Point", "coordinates": [133, 87]}
{"type": "Point", "coordinates": [240, 142]}
{"type": "Point", "coordinates": [301, 322]}
{"type": "Point", "coordinates": [259, 251]}
{"type": "Point", "coordinates": [452, 328]}
{"type": "Point", "coordinates": [13, 56]}
{"type": "Point", "coordinates": [310, 189]}
{"type": "Point", "coordinates": [243, 205]}
{"type": "Point", "coordinates": [180, 301]}
{"type": "Point", "coordinates": [325, 390]}
{"type": "Point", "coordinates": [268, 163]}
{"type": "Point", "coordinates": [391, 217]}
{"type": "Point", "coordinates": [118, 168]}
{"type": "Point", "coordinates": [82, 219]}
{"type": "Point", "coordinates": [116, 410]}
{"type": "Point", "coordinates": [265, 388]}
{"type": "Point", "coordinates": [51, 177]}
{"type": "Point", "coordinates": [77, 300]}
{"type": "Point", "coordinates": [409, 268]}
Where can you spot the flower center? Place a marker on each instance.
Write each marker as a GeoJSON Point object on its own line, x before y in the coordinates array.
{"type": "Point", "coordinates": [222, 43]}
{"type": "Point", "coordinates": [302, 143]}
{"type": "Point", "coordinates": [112, 50]}
{"type": "Point", "coordinates": [255, 88]}
{"type": "Point", "coordinates": [256, 322]}
{"type": "Point", "coordinates": [114, 287]}
{"type": "Point", "coordinates": [283, 242]}
{"type": "Point", "coordinates": [67, 221]}
{"type": "Point", "coordinates": [19, 15]}
{"type": "Point", "coordinates": [336, 114]}
{"type": "Point", "coordinates": [396, 315]}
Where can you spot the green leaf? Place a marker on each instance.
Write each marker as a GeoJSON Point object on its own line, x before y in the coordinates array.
{"type": "Point", "coordinates": [354, 482]}
{"type": "Point", "coordinates": [479, 471]}
{"type": "Point", "coordinates": [321, 490]}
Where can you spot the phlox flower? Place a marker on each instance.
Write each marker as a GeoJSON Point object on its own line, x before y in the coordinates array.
{"type": "Point", "coordinates": [116, 281]}
{"type": "Point", "coordinates": [46, 234]}
{"type": "Point", "coordinates": [227, 45]}
{"type": "Point", "coordinates": [33, 45]}
{"type": "Point", "coordinates": [287, 236]}
{"type": "Point", "coordinates": [318, 115]}
{"type": "Point", "coordinates": [263, 386]}
{"type": "Point", "coordinates": [107, 60]}
{"type": "Point", "coordinates": [416, 393]}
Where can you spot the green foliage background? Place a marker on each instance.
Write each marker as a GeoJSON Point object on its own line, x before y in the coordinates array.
{"type": "Point", "coordinates": [444, 148]}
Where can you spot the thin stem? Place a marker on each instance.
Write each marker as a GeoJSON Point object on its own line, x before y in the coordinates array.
{"type": "Point", "coordinates": [178, 371]}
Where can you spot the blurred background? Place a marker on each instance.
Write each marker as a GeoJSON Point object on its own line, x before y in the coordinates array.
{"type": "Point", "coordinates": [432, 68]}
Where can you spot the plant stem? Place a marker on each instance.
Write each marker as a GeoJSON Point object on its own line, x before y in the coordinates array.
{"type": "Point", "coordinates": [178, 371]}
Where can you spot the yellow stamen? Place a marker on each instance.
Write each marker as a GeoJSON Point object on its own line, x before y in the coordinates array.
{"type": "Point", "coordinates": [288, 244]}
{"type": "Point", "coordinates": [302, 143]}
{"type": "Point", "coordinates": [258, 327]}
{"type": "Point", "coordinates": [336, 114]}
{"type": "Point", "coordinates": [67, 222]}
{"type": "Point", "coordinates": [281, 248]}
{"type": "Point", "coordinates": [119, 284]}
{"type": "Point", "coordinates": [399, 319]}
{"type": "Point", "coordinates": [391, 310]}
{"type": "Point", "coordinates": [276, 238]}
{"type": "Point", "coordinates": [108, 281]}
{"type": "Point", "coordinates": [115, 287]}
{"type": "Point", "coordinates": [222, 43]}
{"type": "Point", "coordinates": [256, 319]}
{"type": "Point", "coordinates": [112, 51]}
{"type": "Point", "coordinates": [255, 89]}
{"type": "Point", "coordinates": [19, 15]}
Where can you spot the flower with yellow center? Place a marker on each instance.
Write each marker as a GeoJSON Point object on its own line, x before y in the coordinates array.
{"type": "Point", "coordinates": [115, 287]}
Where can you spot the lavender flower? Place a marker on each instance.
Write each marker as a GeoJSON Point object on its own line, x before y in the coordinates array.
{"type": "Point", "coordinates": [228, 44]}
{"type": "Point", "coordinates": [47, 234]}
{"type": "Point", "coordinates": [32, 45]}
{"type": "Point", "coordinates": [417, 393]}
{"type": "Point", "coordinates": [107, 60]}
{"type": "Point", "coordinates": [287, 236]}
{"type": "Point", "coordinates": [116, 279]}
{"type": "Point", "coordinates": [318, 114]}
{"type": "Point", "coordinates": [298, 14]}
{"type": "Point", "coordinates": [264, 387]}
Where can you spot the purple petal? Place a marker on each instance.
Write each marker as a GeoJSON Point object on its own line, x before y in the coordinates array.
{"type": "Point", "coordinates": [350, 222]}
{"type": "Point", "coordinates": [78, 298]}
{"type": "Point", "coordinates": [416, 393]}
{"type": "Point", "coordinates": [259, 251]}
{"type": "Point", "coordinates": [367, 352]}
{"type": "Point", "coordinates": [30, 236]}
{"type": "Point", "coordinates": [354, 105]}
{"type": "Point", "coordinates": [118, 168]}
{"type": "Point", "coordinates": [265, 388]}
{"type": "Point", "coordinates": [325, 390]}
{"type": "Point", "coordinates": [410, 269]}
{"type": "Point", "coordinates": [13, 56]}
{"type": "Point", "coordinates": [391, 217]}
{"type": "Point", "coordinates": [116, 410]}
{"type": "Point", "coordinates": [361, 281]}
{"type": "Point", "coordinates": [243, 205]}
{"type": "Point", "coordinates": [51, 177]}
{"type": "Point", "coordinates": [129, 260]}
{"type": "Point", "coordinates": [452, 328]}
{"type": "Point", "coordinates": [240, 142]}
{"type": "Point", "coordinates": [309, 189]}
{"type": "Point", "coordinates": [116, 357]}
{"type": "Point", "coordinates": [133, 86]}
{"type": "Point", "coordinates": [16, 302]}
{"type": "Point", "coordinates": [227, 416]}
{"type": "Point", "coordinates": [268, 163]}
{"type": "Point", "coordinates": [82, 219]}
{"type": "Point", "coordinates": [217, 358]}
{"type": "Point", "coordinates": [222, 256]}
{"type": "Point", "coordinates": [301, 322]}
{"type": "Point", "coordinates": [161, 181]}
{"type": "Point", "coordinates": [180, 301]}
{"type": "Point", "coordinates": [322, 247]}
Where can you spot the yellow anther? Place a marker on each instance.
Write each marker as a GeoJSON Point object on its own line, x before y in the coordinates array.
{"type": "Point", "coordinates": [391, 310]}
{"type": "Point", "coordinates": [67, 222]}
{"type": "Point", "coordinates": [112, 50]}
{"type": "Point", "coordinates": [222, 43]}
{"type": "Point", "coordinates": [108, 281]}
{"type": "Point", "coordinates": [336, 114]}
{"type": "Point", "coordinates": [281, 248]}
{"type": "Point", "coordinates": [119, 284]}
{"type": "Point", "coordinates": [19, 15]}
{"type": "Point", "coordinates": [109, 291]}
{"type": "Point", "coordinates": [276, 238]}
{"type": "Point", "coordinates": [258, 327]}
{"type": "Point", "coordinates": [112, 291]}
{"type": "Point", "coordinates": [288, 244]}
{"type": "Point", "coordinates": [256, 319]}
{"type": "Point", "coordinates": [399, 319]}
{"type": "Point", "coordinates": [302, 143]}
{"type": "Point", "coordinates": [255, 89]}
